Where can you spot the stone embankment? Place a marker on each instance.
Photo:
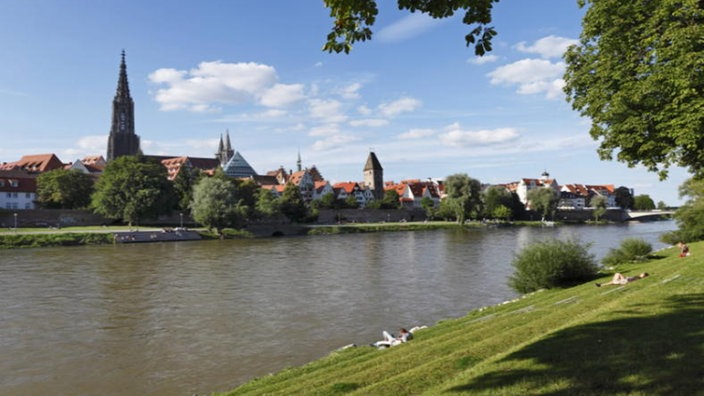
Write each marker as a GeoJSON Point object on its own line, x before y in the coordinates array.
{"type": "Point", "coordinates": [165, 235]}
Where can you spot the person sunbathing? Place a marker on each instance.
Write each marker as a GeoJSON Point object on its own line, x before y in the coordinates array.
{"type": "Point", "coordinates": [389, 340]}
{"type": "Point", "coordinates": [621, 279]}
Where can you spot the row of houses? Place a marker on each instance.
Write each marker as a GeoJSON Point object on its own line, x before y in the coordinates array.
{"type": "Point", "coordinates": [18, 182]}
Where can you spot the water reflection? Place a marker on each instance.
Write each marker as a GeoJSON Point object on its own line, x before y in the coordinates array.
{"type": "Point", "coordinates": [198, 317]}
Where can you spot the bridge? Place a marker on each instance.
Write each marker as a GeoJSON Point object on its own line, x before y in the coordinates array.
{"type": "Point", "coordinates": [647, 214]}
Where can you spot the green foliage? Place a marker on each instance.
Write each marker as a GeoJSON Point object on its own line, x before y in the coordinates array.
{"type": "Point", "coordinates": [624, 198]}
{"type": "Point", "coordinates": [464, 196]}
{"type": "Point", "coordinates": [391, 200]}
{"type": "Point", "coordinates": [428, 206]}
{"type": "Point", "coordinates": [186, 178]}
{"type": "Point", "coordinates": [64, 189]}
{"type": "Point", "coordinates": [552, 263]}
{"type": "Point", "coordinates": [351, 202]}
{"type": "Point", "coordinates": [690, 216]}
{"type": "Point", "coordinates": [643, 202]}
{"type": "Point", "coordinates": [637, 74]}
{"type": "Point", "coordinates": [215, 204]}
{"type": "Point", "coordinates": [61, 239]}
{"type": "Point", "coordinates": [292, 204]}
{"type": "Point", "coordinates": [543, 200]}
{"type": "Point", "coordinates": [353, 20]}
{"type": "Point", "coordinates": [496, 197]}
{"type": "Point", "coordinates": [267, 204]}
{"type": "Point", "coordinates": [630, 250]}
{"type": "Point", "coordinates": [131, 188]}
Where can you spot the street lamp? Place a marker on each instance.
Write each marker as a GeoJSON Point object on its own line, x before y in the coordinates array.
{"type": "Point", "coordinates": [15, 214]}
{"type": "Point", "coordinates": [181, 215]}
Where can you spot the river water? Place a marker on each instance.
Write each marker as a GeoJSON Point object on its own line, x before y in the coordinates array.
{"type": "Point", "coordinates": [198, 317]}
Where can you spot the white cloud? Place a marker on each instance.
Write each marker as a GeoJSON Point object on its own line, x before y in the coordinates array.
{"type": "Point", "coordinates": [324, 130]}
{"type": "Point", "coordinates": [370, 122]}
{"type": "Point", "coordinates": [410, 26]}
{"type": "Point", "coordinates": [326, 110]}
{"type": "Point", "coordinates": [351, 91]}
{"type": "Point", "coordinates": [481, 60]}
{"type": "Point", "coordinates": [396, 107]}
{"type": "Point", "coordinates": [282, 95]}
{"type": "Point", "coordinates": [455, 136]}
{"type": "Point", "coordinates": [547, 47]}
{"type": "Point", "coordinates": [334, 141]}
{"type": "Point", "coordinates": [364, 110]}
{"type": "Point", "coordinates": [532, 76]}
{"type": "Point", "coordinates": [416, 134]}
{"type": "Point", "coordinates": [215, 83]}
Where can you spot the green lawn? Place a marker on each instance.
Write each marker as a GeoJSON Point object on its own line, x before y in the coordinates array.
{"type": "Point", "coordinates": [644, 338]}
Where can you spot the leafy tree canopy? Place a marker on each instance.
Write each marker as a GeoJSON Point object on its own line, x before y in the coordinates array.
{"type": "Point", "coordinates": [543, 200]}
{"type": "Point", "coordinates": [624, 198]}
{"type": "Point", "coordinates": [463, 196]}
{"type": "Point", "coordinates": [638, 73]}
{"type": "Point", "coordinates": [643, 202]}
{"type": "Point", "coordinates": [353, 20]}
{"type": "Point", "coordinates": [132, 188]}
{"type": "Point", "coordinates": [292, 204]}
{"type": "Point", "coordinates": [215, 204]}
{"type": "Point", "coordinates": [64, 189]}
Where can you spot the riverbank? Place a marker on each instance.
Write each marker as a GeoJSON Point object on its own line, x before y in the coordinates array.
{"type": "Point", "coordinates": [76, 236]}
{"type": "Point", "coordinates": [641, 338]}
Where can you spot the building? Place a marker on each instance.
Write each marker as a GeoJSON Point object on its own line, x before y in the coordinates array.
{"type": "Point", "coordinates": [18, 189]}
{"type": "Point", "coordinates": [122, 139]}
{"type": "Point", "coordinates": [374, 176]}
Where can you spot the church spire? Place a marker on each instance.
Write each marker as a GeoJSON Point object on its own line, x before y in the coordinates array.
{"type": "Point", "coordinates": [298, 163]}
{"type": "Point", "coordinates": [122, 139]}
{"type": "Point", "coordinates": [123, 86]}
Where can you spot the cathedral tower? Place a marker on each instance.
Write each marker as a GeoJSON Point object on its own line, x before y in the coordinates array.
{"type": "Point", "coordinates": [374, 176]}
{"type": "Point", "coordinates": [122, 139]}
{"type": "Point", "coordinates": [225, 150]}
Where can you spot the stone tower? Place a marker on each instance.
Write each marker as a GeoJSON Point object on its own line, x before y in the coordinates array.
{"type": "Point", "coordinates": [374, 176]}
{"type": "Point", "coordinates": [225, 151]}
{"type": "Point", "coordinates": [122, 139]}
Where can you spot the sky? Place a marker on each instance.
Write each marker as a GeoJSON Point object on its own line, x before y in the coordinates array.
{"type": "Point", "coordinates": [414, 94]}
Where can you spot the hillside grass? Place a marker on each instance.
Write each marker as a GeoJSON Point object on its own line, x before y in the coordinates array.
{"type": "Point", "coordinates": [644, 338]}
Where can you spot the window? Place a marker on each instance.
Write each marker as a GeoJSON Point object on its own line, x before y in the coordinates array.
{"type": "Point", "coordinates": [2, 183]}
{"type": "Point", "coordinates": [28, 205]}
{"type": "Point", "coordinates": [28, 195]}
{"type": "Point", "coordinates": [14, 183]}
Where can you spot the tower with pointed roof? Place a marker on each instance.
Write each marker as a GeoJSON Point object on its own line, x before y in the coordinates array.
{"type": "Point", "coordinates": [122, 139]}
{"type": "Point", "coordinates": [374, 176]}
{"type": "Point", "coordinates": [225, 151]}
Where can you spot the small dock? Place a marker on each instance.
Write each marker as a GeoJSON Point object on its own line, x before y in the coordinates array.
{"type": "Point", "coordinates": [164, 235]}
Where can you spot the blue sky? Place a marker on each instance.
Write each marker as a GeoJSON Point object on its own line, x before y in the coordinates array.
{"type": "Point", "coordinates": [414, 94]}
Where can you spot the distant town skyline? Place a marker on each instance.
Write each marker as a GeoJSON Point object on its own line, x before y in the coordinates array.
{"type": "Point", "coordinates": [414, 93]}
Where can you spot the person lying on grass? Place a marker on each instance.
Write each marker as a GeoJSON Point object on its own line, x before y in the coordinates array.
{"type": "Point", "coordinates": [389, 340]}
{"type": "Point", "coordinates": [621, 279]}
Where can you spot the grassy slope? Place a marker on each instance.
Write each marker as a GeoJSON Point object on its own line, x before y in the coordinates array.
{"type": "Point", "coordinates": [643, 338]}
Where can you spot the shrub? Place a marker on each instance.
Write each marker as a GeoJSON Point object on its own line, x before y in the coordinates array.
{"type": "Point", "coordinates": [631, 249]}
{"type": "Point", "coordinates": [552, 263]}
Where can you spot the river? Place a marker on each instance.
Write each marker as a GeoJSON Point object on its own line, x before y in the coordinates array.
{"type": "Point", "coordinates": [198, 317]}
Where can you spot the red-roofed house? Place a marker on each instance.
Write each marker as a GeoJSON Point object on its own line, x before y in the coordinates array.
{"type": "Point", "coordinates": [35, 163]}
{"type": "Point", "coordinates": [18, 189]}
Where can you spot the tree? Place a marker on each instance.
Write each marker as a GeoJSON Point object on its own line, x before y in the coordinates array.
{"type": "Point", "coordinates": [428, 205]}
{"type": "Point", "coordinates": [624, 197]}
{"type": "Point", "coordinates": [690, 216]}
{"type": "Point", "coordinates": [643, 202]}
{"type": "Point", "coordinates": [215, 204]}
{"type": "Point", "coordinates": [186, 178]}
{"type": "Point", "coordinates": [351, 202]}
{"type": "Point", "coordinates": [132, 188]}
{"type": "Point", "coordinates": [292, 204]}
{"type": "Point", "coordinates": [637, 73]}
{"type": "Point", "coordinates": [267, 204]}
{"type": "Point", "coordinates": [599, 203]}
{"type": "Point", "coordinates": [64, 189]}
{"type": "Point", "coordinates": [353, 20]}
{"type": "Point", "coordinates": [463, 196]}
{"type": "Point", "coordinates": [496, 197]}
{"type": "Point", "coordinates": [543, 200]}
{"type": "Point", "coordinates": [391, 200]}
